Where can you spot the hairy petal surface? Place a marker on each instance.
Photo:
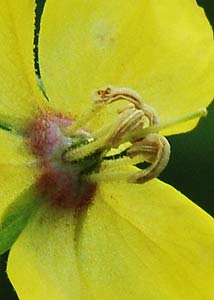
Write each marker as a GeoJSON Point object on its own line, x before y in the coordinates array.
{"type": "Point", "coordinates": [19, 94]}
{"type": "Point", "coordinates": [16, 173]}
{"type": "Point", "coordinates": [42, 263]}
{"type": "Point", "coordinates": [162, 49]}
{"type": "Point", "coordinates": [146, 242]}
{"type": "Point", "coordinates": [134, 242]}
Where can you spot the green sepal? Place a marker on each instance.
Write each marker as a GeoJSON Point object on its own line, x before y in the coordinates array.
{"type": "Point", "coordinates": [16, 217]}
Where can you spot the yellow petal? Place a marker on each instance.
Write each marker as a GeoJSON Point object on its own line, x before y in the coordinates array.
{"type": "Point", "coordinates": [146, 242]}
{"type": "Point", "coordinates": [19, 94]}
{"type": "Point", "coordinates": [13, 150]}
{"type": "Point", "coordinates": [162, 49]}
{"type": "Point", "coordinates": [42, 263]}
{"type": "Point", "coordinates": [13, 181]}
{"type": "Point", "coordinates": [16, 173]}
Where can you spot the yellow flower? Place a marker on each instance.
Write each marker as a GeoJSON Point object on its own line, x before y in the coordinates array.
{"type": "Point", "coordinates": [86, 231]}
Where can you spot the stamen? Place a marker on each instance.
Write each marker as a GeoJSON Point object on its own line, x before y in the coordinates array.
{"type": "Point", "coordinates": [85, 150]}
{"type": "Point", "coordinates": [157, 128]}
{"type": "Point", "coordinates": [83, 119]}
{"type": "Point", "coordinates": [138, 124]}
{"type": "Point", "coordinates": [110, 136]}
{"type": "Point", "coordinates": [156, 150]}
{"type": "Point", "coordinates": [112, 94]}
{"type": "Point", "coordinates": [112, 175]}
{"type": "Point", "coordinates": [129, 121]}
{"type": "Point", "coordinates": [122, 162]}
{"type": "Point", "coordinates": [108, 96]}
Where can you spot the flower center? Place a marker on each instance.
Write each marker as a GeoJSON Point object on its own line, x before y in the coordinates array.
{"type": "Point", "coordinates": [60, 181]}
{"type": "Point", "coordinates": [72, 160]}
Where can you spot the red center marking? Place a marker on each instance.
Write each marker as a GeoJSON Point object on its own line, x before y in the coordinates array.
{"type": "Point", "coordinates": [59, 182]}
{"type": "Point", "coordinates": [45, 134]}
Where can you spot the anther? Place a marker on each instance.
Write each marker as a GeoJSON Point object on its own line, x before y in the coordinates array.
{"type": "Point", "coordinates": [156, 150]}
{"type": "Point", "coordinates": [112, 94]}
{"type": "Point", "coordinates": [138, 124]}
{"type": "Point", "coordinates": [135, 116]}
{"type": "Point", "coordinates": [129, 120]}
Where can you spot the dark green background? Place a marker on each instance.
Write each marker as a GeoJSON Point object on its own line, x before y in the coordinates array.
{"type": "Point", "coordinates": [190, 170]}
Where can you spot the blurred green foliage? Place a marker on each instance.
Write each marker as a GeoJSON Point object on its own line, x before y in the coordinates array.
{"type": "Point", "coordinates": [191, 166]}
